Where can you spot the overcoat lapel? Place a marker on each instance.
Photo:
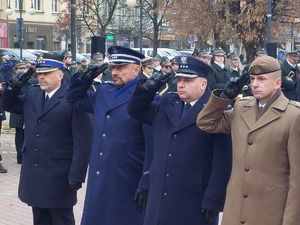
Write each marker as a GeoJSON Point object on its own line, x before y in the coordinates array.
{"type": "Point", "coordinates": [173, 111]}
{"type": "Point", "coordinates": [272, 113]}
{"type": "Point", "coordinates": [54, 100]}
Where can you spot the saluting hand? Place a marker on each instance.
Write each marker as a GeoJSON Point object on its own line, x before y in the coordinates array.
{"type": "Point", "coordinates": [20, 79]}
{"type": "Point", "coordinates": [234, 86]}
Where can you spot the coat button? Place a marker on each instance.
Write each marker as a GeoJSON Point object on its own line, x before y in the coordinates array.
{"type": "Point", "coordinates": [35, 149]}
{"type": "Point", "coordinates": [37, 135]}
{"type": "Point", "coordinates": [165, 194]}
{"type": "Point", "coordinates": [167, 175]}
{"type": "Point", "coordinates": [98, 173]}
{"type": "Point", "coordinates": [245, 195]}
{"type": "Point", "coordinates": [243, 221]}
{"type": "Point", "coordinates": [247, 169]}
{"type": "Point", "coordinates": [107, 117]}
{"type": "Point", "coordinates": [175, 136]}
{"type": "Point", "coordinates": [101, 154]}
{"type": "Point", "coordinates": [35, 165]}
{"type": "Point", "coordinates": [250, 142]}
{"type": "Point", "coordinates": [170, 155]}
{"type": "Point", "coordinates": [103, 135]}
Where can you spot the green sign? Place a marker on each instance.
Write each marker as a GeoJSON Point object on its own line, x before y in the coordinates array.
{"type": "Point", "coordinates": [110, 37]}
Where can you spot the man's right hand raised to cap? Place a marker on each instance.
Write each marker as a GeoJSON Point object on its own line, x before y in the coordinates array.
{"type": "Point", "coordinates": [20, 79]}
{"type": "Point", "coordinates": [93, 71]}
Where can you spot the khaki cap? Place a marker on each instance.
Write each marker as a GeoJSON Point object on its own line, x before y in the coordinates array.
{"type": "Point", "coordinates": [263, 65]}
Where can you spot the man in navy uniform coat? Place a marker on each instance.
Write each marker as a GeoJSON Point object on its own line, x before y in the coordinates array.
{"type": "Point", "coordinates": [190, 168]}
{"type": "Point", "coordinates": [57, 142]}
{"type": "Point", "coordinates": [117, 172]}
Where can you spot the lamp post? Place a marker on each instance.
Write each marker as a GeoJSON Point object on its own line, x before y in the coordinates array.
{"type": "Point", "coordinates": [20, 23]}
{"type": "Point", "coordinates": [269, 15]}
{"type": "Point", "coordinates": [133, 3]}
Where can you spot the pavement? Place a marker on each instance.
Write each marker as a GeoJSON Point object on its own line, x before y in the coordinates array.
{"type": "Point", "coordinates": [12, 210]}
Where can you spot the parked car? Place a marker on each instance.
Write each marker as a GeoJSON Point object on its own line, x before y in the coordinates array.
{"type": "Point", "coordinates": [148, 52]}
{"type": "Point", "coordinates": [186, 52]}
{"type": "Point", "coordinates": [15, 56]}
{"type": "Point", "coordinates": [172, 53]}
{"type": "Point", "coordinates": [36, 52]}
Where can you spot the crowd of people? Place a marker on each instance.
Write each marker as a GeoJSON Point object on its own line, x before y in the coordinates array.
{"type": "Point", "coordinates": [165, 142]}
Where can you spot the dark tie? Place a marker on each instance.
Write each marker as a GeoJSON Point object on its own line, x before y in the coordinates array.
{"type": "Point", "coordinates": [45, 100]}
{"type": "Point", "coordinates": [186, 108]}
{"type": "Point", "coordinates": [260, 108]}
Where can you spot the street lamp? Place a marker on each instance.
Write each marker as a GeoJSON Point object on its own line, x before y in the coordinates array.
{"type": "Point", "coordinates": [133, 3]}
{"type": "Point", "coordinates": [269, 17]}
{"type": "Point", "coordinates": [20, 22]}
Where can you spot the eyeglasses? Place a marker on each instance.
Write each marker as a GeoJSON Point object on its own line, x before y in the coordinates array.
{"type": "Point", "coordinates": [167, 67]}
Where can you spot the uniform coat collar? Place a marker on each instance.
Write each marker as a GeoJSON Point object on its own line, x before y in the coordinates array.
{"type": "Point", "coordinates": [273, 112]}
{"type": "Point", "coordinates": [174, 110]}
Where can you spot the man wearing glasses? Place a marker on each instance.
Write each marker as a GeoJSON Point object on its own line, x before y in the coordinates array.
{"type": "Point", "coordinates": [290, 76]}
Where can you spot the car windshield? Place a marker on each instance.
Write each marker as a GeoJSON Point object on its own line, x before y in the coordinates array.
{"type": "Point", "coordinates": [25, 54]}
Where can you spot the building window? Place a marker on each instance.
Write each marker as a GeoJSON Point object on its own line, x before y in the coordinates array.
{"type": "Point", "coordinates": [17, 4]}
{"type": "Point", "coordinates": [54, 6]}
{"type": "Point", "coordinates": [38, 5]}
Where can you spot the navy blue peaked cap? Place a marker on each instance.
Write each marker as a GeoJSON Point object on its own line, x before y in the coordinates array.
{"type": "Point", "coordinates": [48, 62]}
{"type": "Point", "coordinates": [191, 67]}
{"type": "Point", "coordinates": [121, 55]}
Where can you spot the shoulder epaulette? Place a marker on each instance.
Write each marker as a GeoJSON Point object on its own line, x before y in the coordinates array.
{"type": "Point", "coordinates": [294, 103]}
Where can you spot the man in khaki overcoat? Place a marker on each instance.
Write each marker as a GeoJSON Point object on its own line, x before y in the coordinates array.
{"type": "Point", "coordinates": [265, 182]}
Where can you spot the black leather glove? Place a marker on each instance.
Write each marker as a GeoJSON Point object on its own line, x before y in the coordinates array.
{"type": "Point", "coordinates": [156, 81]}
{"type": "Point", "coordinates": [20, 79]}
{"type": "Point", "coordinates": [74, 186]}
{"type": "Point", "coordinates": [141, 196]}
{"type": "Point", "coordinates": [234, 86]}
{"type": "Point", "coordinates": [93, 71]}
{"type": "Point", "coordinates": [209, 215]}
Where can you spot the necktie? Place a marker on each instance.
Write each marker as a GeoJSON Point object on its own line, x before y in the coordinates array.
{"type": "Point", "coordinates": [45, 100]}
{"type": "Point", "coordinates": [186, 108]}
{"type": "Point", "coordinates": [260, 108]}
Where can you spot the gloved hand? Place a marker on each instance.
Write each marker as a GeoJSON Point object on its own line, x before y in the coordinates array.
{"type": "Point", "coordinates": [93, 71]}
{"type": "Point", "coordinates": [209, 215]}
{"type": "Point", "coordinates": [74, 186]}
{"type": "Point", "coordinates": [20, 79]}
{"type": "Point", "coordinates": [156, 81]}
{"type": "Point", "coordinates": [141, 196]}
{"type": "Point", "coordinates": [234, 86]}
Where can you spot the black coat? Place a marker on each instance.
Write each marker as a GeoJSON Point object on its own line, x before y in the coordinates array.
{"type": "Point", "coordinates": [57, 146]}
{"type": "Point", "coordinates": [218, 78]}
{"type": "Point", "coordinates": [289, 86]}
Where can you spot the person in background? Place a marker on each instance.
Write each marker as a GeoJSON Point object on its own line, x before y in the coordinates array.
{"type": "Point", "coordinates": [234, 65]}
{"type": "Point", "coordinates": [82, 66]}
{"type": "Point", "coordinates": [190, 167]}
{"type": "Point", "coordinates": [157, 61]}
{"type": "Point", "coordinates": [220, 75]}
{"type": "Point", "coordinates": [98, 58]}
{"type": "Point", "coordinates": [68, 62]}
{"type": "Point", "coordinates": [290, 76]}
{"type": "Point", "coordinates": [118, 185]}
{"type": "Point", "coordinates": [172, 83]}
{"type": "Point", "coordinates": [165, 69]}
{"type": "Point", "coordinates": [204, 56]}
{"type": "Point", "coordinates": [147, 68]}
{"type": "Point", "coordinates": [2, 117]}
{"type": "Point", "coordinates": [265, 137]}
{"type": "Point", "coordinates": [6, 68]}
{"type": "Point", "coordinates": [57, 142]}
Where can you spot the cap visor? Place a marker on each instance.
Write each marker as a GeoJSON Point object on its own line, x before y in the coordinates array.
{"type": "Point", "coordinates": [45, 69]}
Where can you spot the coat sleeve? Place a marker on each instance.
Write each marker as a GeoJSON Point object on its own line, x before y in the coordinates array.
{"type": "Point", "coordinates": [12, 101]}
{"type": "Point", "coordinates": [292, 207]}
{"type": "Point", "coordinates": [79, 95]}
{"type": "Point", "coordinates": [144, 182]}
{"type": "Point", "coordinates": [82, 144]}
{"type": "Point", "coordinates": [213, 118]}
{"type": "Point", "coordinates": [214, 196]}
{"type": "Point", "coordinates": [143, 105]}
